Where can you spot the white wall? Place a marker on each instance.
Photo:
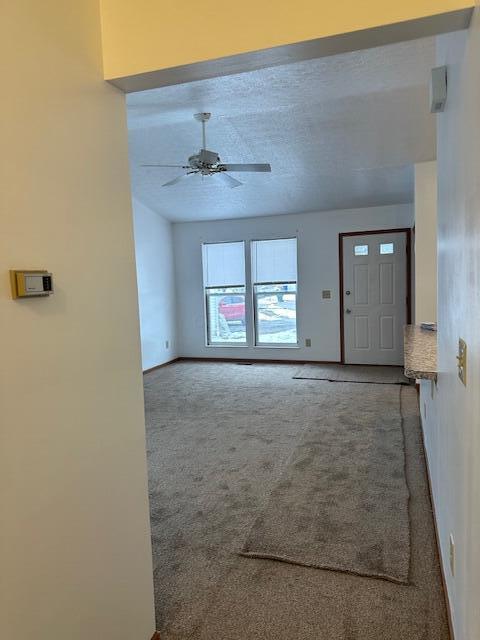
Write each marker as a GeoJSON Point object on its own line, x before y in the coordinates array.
{"type": "Point", "coordinates": [426, 242]}
{"type": "Point", "coordinates": [317, 269]}
{"type": "Point", "coordinates": [453, 438]}
{"type": "Point", "coordinates": [75, 552]}
{"type": "Point", "coordinates": [156, 285]}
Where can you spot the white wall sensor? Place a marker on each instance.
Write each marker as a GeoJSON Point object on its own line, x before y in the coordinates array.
{"type": "Point", "coordinates": [438, 89]}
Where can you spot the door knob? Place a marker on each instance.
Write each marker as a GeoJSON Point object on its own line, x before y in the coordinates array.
{"type": "Point", "coordinates": [347, 293]}
{"type": "Point", "coordinates": [348, 311]}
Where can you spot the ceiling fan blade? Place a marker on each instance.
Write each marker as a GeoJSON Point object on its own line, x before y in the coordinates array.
{"type": "Point", "coordinates": [177, 179]}
{"type": "Point", "coordinates": [228, 180]}
{"type": "Point", "coordinates": [176, 166]}
{"type": "Point", "coordinates": [245, 167]}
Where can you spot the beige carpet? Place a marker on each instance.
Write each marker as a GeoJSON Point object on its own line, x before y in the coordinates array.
{"type": "Point", "coordinates": [342, 501]}
{"type": "Point", "coordinates": [219, 438]}
{"type": "Point", "coordinates": [352, 373]}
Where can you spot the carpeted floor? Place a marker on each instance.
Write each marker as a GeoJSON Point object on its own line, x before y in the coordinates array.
{"type": "Point", "coordinates": [352, 373]}
{"type": "Point", "coordinates": [219, 439]}
{"type": "Point", "coordinates": [342, 500]}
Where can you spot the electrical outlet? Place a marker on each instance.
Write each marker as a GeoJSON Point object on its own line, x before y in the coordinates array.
{"type": "Point", "coordinates": [308, 342]}
{"type": "Point", "coordinates": [452, 555]}
{"type": "Point", "coordinates": [167, 344]}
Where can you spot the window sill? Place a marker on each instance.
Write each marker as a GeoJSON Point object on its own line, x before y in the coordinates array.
{"type": "Point", "coordinates": [276, 346]}
{"type": "Point", "coordinates": [226, 345]}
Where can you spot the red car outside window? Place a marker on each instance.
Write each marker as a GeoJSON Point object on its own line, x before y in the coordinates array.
{"type": "Point", "coordinates": [232, 308]}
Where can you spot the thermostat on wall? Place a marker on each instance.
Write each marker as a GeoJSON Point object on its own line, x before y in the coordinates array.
{"type": "Point", "coordinates": [31, 284]}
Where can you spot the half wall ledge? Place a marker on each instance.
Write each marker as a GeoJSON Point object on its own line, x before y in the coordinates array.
{"type": "Point", "coordinates": [420, 349]}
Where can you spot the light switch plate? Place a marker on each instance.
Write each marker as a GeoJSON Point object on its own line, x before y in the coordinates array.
{"type": "Point", "coordinates": [462, 361]}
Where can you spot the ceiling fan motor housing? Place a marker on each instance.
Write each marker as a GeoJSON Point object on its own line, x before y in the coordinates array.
{"type": "Point", "coordinates": [209, 157]}
{"type": "Point", "coordinates": [204, 160]}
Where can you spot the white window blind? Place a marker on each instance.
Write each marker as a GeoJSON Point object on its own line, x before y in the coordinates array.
{"type": "Point", "coordinates": [224, 264]}
{"type": "Point", "coordinates": [274, 260]}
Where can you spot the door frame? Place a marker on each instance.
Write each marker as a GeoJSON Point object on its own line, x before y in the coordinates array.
{"type": "Point", "coordinates": [408, 236]}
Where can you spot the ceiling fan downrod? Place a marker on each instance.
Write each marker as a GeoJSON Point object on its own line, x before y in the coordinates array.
{"type": "Point", "coordinates": [203, 117]}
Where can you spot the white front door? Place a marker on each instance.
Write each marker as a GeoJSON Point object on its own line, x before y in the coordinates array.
{"type": "Point", "coordinates": [374, 297]}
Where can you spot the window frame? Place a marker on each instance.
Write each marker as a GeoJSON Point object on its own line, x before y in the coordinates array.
{"type": "Point", "coordinates": [208, 341]}
{"type": "Point", "coordinates": [251, 330]}
{"type": "Point", "coordinates": [257, 344]}
{"type": "Point", "coordinates": [226, 344]}
{"type": "Point", "coordinates": [256, 320]}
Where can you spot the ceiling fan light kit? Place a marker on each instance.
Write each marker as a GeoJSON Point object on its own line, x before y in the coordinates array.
{"type": "Point", "coordinates": [207, 163]}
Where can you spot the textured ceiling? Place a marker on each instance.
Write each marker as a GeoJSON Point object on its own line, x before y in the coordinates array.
{"type": "Point", "coordinates": [339, 132]}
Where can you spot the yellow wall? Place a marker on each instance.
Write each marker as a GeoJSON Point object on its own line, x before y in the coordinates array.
{"type": "Point", "coordinates": [74, 531]}
{"type": "Point", "coordinates": [146, 35]}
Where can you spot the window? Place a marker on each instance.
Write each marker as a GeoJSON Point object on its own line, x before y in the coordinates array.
{"type": "Point", "coordinates": [224, 283]}
{"type": "Point", "coordinates": [360, 250]}
{"type": "Point", "coordinates": [274, 279]}
{"type": "Point", "coordinates": [386, 247]}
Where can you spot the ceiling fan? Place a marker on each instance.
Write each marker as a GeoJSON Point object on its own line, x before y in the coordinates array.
{"type": "Point", "coordinates": [207, 163]}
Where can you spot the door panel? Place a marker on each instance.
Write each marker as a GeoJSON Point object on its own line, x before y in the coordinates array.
{"type": "Point", "coordinates": [361, 332]}
{"type": "Point", "coordinates": [374, 297]}
{"type": "Point", "coordinates": [387, 332]}
{"type": "Point", "coordinates": [387, 283]}
{"type": "Point", "coordinates": [361, 283]}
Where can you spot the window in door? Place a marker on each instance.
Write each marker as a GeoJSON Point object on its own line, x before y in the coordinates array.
{"type": "Point", "coordinates": [224, 286]}
{"type": "Point", "coordinates": [274, 281]}
{"type": "Point", "coordinates": [386, 248]}
{"type": "Point", "coordinates": [360, 249]}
